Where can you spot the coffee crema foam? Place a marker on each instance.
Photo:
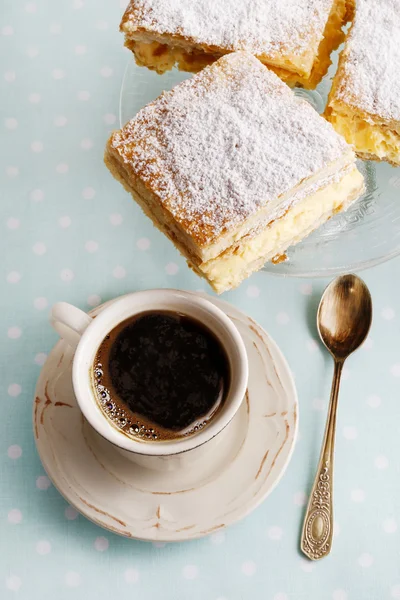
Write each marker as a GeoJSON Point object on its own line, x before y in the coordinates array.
{"type": "Point", "coordinates": [133, 427]}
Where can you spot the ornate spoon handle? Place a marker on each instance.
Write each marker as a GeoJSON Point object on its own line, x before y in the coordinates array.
{"type": "Point", "coordinates": [316, 537]}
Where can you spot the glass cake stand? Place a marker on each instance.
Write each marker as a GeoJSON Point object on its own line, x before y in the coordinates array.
{"type": "Point", "coordinates": [364, 236]}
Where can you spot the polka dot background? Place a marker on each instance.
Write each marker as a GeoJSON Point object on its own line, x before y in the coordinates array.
{"type": "Point", "coordinates": [70, 232]}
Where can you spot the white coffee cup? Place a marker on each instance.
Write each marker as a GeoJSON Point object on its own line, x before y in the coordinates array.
{"type": "Point", "coordinates": [85, 335]}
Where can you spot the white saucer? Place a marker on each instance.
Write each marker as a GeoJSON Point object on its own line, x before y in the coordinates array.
{"type": "Point", "coordinates": [179, 505]}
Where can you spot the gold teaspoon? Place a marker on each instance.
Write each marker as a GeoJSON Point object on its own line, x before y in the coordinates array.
{"type": "Point", "coordinates": [343, 320]}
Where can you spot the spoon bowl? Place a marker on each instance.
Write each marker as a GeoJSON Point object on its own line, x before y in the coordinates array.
{"type": "Point", "coordinates": [344, 315]}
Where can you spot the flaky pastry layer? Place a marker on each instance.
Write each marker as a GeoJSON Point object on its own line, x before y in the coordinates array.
{"type": "Point", "coordinates": [371, 141]}
{"type": "Point", "coordinates": [249, 254]}
{"type": "Point", "coordinates": [161, 52]}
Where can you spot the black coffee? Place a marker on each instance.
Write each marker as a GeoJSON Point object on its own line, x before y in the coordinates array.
{"type": "Point", "coordinates": [160, 376]}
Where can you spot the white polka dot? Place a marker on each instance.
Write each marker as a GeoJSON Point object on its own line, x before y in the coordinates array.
{"type": "Point", "coordinates": [388, 313]}
{"type": "Point", "coordinates": [67, 275]}
{"type": "Point", "coordinates": [7, 30]}
{"type": "Point", "coordinates": [91, 246]}
{"type": "Point", "coordinates": [60, 121]}
{"type": "Point", "coordinates": [40, 359]}
{"type": "Point", "coordinates": [300, 499]}
{"type": "Point", "coordinates": [365, 560]}
{"type": "Point", "coordinates": [39, 248]}
{"type": "Point", "coordinates": [159, 544]}
{"type": "Point", "coordinates": [336, 529]}
{"type": "Point", "coordinates": [101, 544]}
{"type": "Point", "coordinates": [190, 572]}
{"type": "Point", "coordinates": [32, 51]}
{"type": "Point", "coordinates": [40, 303]}
{"type": "Point", "coordinates": [14, 333]}
{"type": "Point", "coordinates": [10, 123]}
{"type": "Point", "coordinates": [318, 404]}
{"type": "Point", "coordinates": [31, 7]}
{"type": "Point", "coordinates": [275, 533]}
{"type": "Point", "coordinates": [116, 219]}
{"type": "Point", "coordinates": [37, 195]}
{"type": "Point", "coordinates": [14, 452]}
{"type": "Point", "coordinates": [374, 401]}
{"type": "Point", "coordinates": [13, 223]}
{"type": "Point", "coordinates": [357, 495]}
{"type": "Point", "coordinates": [83, 95]}
{"type": "Point", "coordinates": [395, 589]}
{"type": "Point", "coordinates": [218, 537]}
{"type": "Point", "coordinates": [70, 513]}
{"type": "Point", "coordinates": [339, 595]}
{"type": "Point", "coordinates": [119, 272]}
{"type": "Point", "coordinates": [221, 598]}
{"type": "Point", "coordinates": [58, 74]}
{"type": "Point", "coordinates": [253, 291]}
{"type": "Point", "coordinates": [94, 300]}
{"type": "Point", "coordinates": [13, 583]}
{"type": "Point", "coordinates": [86, 144]}
{"type": "Point", "coordinates": [350, 433]}
{"type": "Point", "coordinates": [312, 345]}
{"type": "Point", "coordinates": [14, 516]}
{"type": "Point", "coordinates": [102, 25]}
{"type": "Point", "coordinates": [12, 171]}
{"type": "Point", "coordinates": [306, 565]}
{"type": "Point", "coordinates": [62, 168]}
{"type": "Point", "coordinates": [306, 289]}
{"type": "Point", "coordinates": [131, 575]}
{"type": "Point", "coordinates": [43, 547]}
{"type": "Point", "coordinates": [14, 390]}
{"type": "Point", "coordinates": [171, 268]}
{"type": "Point", "coordinates": [55, 28]}
{"type": "Point", "coordinates": [109, 119]}
{"type": "Point", "coordinates": [10, 76]}
{"type": "Point", "coordinates": [13, 277]}
{"type": "Point", "coordinates": [78, 4]}
{"type": "Point", "coordinates": [80, 49]}
{"type": "Point", "coordinates": [72, 579]}
{"type": "Point", "coordinates": [280, 596]}
{"type": "Point", "coordinates": [143, 244]}
{"type": "Point", "coordinates": [64, 222]}
{"type": "Point", "coordinates": [282, 318]}
{"type": "Point", "coordinates": [43, 482]}
{"type": "Point", "coordinates": [88, 193]}
{"type": "Point", "coordinates": [381, 462]}
{"type": "Point", "coordinates": [34, 98]}
{"type": "Point", "coordinates": [106, 71]}
{"type": "Point", "coordinates": [37, 147]}
{"type": "Point", "coordinates": [389, 525]}
{"type": "Point", "coordinates": [395, 370]}
{"type": "Point", "coordinates": [249, 568]}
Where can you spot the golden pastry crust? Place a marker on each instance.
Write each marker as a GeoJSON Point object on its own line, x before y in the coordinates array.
{"type": "Point", "coordinates": [364, 102]}
{"type": "Point", "coordinates": [222, 157]}
{"type": "Point", "coordinates": [304, 64]}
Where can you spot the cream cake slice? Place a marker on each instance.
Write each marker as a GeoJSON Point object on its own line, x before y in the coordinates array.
{"type": "Point", "coordinates": [233, 168]}
{"type": "Point", "coordinates": [364, 103]}
{"type": "Point", "coordinates": [293, 38]}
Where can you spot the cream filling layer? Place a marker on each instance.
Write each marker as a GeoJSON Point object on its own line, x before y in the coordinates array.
{"type": "Point", "coordinates": [368, 138]}
{"type": "Point", "coordinates": [232, 266]}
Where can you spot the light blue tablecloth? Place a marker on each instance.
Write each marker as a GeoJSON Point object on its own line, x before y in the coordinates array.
{"type": "Point", "coordinates": [70, 232]}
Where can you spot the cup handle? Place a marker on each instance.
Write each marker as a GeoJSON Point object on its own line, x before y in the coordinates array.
{"type": "Point", "coordinates": [69, 322]}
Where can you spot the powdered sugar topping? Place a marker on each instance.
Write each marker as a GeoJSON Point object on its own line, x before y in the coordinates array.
{"type": "Point", "coordinates": [257, 26]}
{"type": "Point", "coordinates": [226, 142]}
{"type": "Point", "coordinates": [370, 76]}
